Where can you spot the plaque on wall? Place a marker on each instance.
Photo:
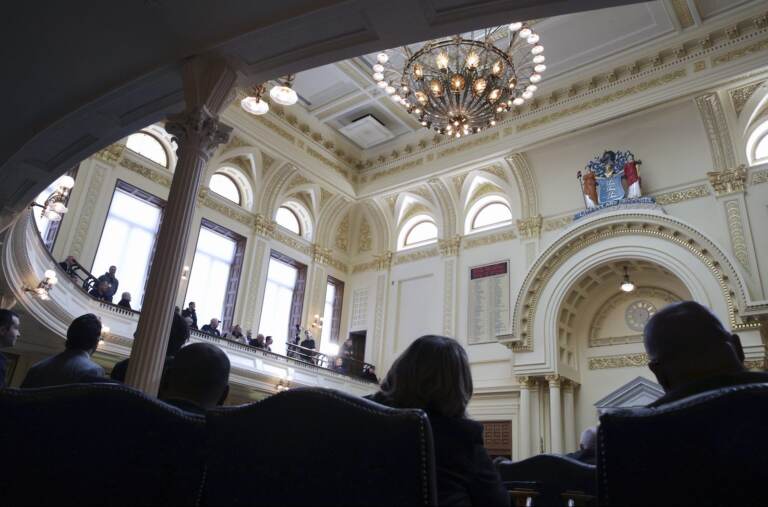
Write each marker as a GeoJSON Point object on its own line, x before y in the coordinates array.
{"type": "Point", "coordinates": [488, 306]}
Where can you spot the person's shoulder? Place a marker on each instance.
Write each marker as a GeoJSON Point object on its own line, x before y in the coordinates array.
{"type": "Point", "coordinates": [458, 427]}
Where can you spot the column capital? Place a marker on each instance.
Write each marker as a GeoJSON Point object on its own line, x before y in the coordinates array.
{"type": "Point", "coordinates": [569, 385]}
{"type": "Point", "coordinates": [263, 226]}
{"type": "Point", "coordinates": [525, 381]}
{"type": "Point", "coordinates": [450, 247]}
{"type": "Point", "coordinates": [554, 380]}
{"type": "Point", "coordinates": [530, 228]}
{"type": "Point", "coordinates": [198, 129]}
{"type": "Point", "coordinates": [729, 181]}
{"type": "Point", "coordinates": [383, 261]}
{"type": "Point", "coordinates": [320, 254]}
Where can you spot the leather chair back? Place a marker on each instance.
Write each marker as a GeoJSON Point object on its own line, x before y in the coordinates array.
{"type": "Point", "coordinates": [549, 475]}
{"type": "Point", "coordinates": [97, 444]}
{"type": "Point", "coordinates": [311, 446]}
{"type": "Point", "coordinates": [709, 449]}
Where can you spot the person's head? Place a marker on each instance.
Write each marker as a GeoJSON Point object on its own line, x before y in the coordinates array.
{"type": "Point", "coordinates": [268, 340]}
{"type": "Point", "coordinates": [84, 333]}
{"type": "Point", "coordinates": [191, 305]}
{"type": "Point", "coordinates": [69, 260]}
{"type": "Point", "coordinates": [432, 374]}
{"type": "Point", "coordinates": [178, 337]}
{"type": "Point", "coordinates": [214, 323]}
{"type": "Point", "coordinates": [260, 338]}
{"type": "Point", "coordinates": [237, 329]}
{"type": "Point", "coordinates": [112, 270]}
{"type": "Point", "coordinates": [10, 328]}
{"type": "Point", "coordinates": [103, 287]}
{"type": "Point", "coordinates": [200, 374]}
{"type": "Point", "coordinates": [686, 342]}
{"type": "Point", "coordinates": [348, 342]}
{"type": "Point", "coordinates": [126, 296]}
{"type": "Point", "coordinates": [588, 441]}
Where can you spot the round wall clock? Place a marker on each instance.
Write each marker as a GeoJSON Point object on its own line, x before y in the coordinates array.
{"type": "Point", "coordinates": [638, 313]}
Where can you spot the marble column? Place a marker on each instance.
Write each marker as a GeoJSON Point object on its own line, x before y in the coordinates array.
{"type": "Point", "coordinates": [555, 414]}
{"type": "Point", "coordinates": [569, 416]}
{"type": "Point", "coordinates": [207, 89]}
{"type": "Point", "coordinates": [525, 417]}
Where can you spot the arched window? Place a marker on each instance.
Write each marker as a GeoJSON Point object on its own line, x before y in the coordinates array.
{"type": "Point", "coordinates": [492, 214]}
{"type": "Point", "coordinates": [148, 146]}
{"type": "Point", "coordinates": [757, 144]}
{"type": "Point", "coordinates": [225, 187]}
{"type": "Point", "coordinates": [420, 233]}
{"type": "Point", "coordinates": [287, 218]}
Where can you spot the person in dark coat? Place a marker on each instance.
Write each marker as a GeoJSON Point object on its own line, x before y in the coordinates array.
{"type": "Point", "coordinates": [125, 300]}
{"type": "Point", "coordinates": [191, 314]}
{"type": "Point", "coordinates": [308, 343]}
{"type": "Point", "coordinates": [690, 352]}
{"type": "Point", "coordinates": [100, 291]}
{"type": "Point", "coordinates": [197, 379]}
{"type": "Point", "coordinates": [68, 265]}
{"type": "Point", "coordinates": [10, 330]}
{"type": "Point", "coordinates": [587, 452]}
{"type": "Point", "coordinates": [257, 342]}
{"type": "Point", "coordinates": [212, 328]}
{"type": "Point", "coordinates": [74, 365]}
{"type": "Point", "coordinates": [433, 375]}
{"type": "Point", "coordinates": [109, 277]}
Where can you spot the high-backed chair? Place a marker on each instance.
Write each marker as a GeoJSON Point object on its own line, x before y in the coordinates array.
{"type": "Point", "coordinates": [709, 449]}
{"type": "Point", "coordinates": [97, 444]}
{"type": "Point", "coordinates": [549, 479]}
{"type": "Point", "coordinates": [312, 446]}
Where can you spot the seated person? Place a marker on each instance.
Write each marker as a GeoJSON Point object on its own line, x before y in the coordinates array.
{"type": "Point", "coordinates": [176, 339]}
{"type": "Point", "coordinates": [198, 378]}
{"type": "Point", "coordinates": [101, 291]}
{"type": "Point", "coordinates": [690, 352]}
{"type": "Point", "coordinates": [212, 328]}
{"type": "Point", "coordinates": [587, 452]}
{"type": "Point", "coordinates": [125, 300]}
{"type": "Point", "coordinates": [258, 342]}
{"type": "Point", "coordinates": [74, 364]}
{"type": "Point", "coordinates": [433, 374]}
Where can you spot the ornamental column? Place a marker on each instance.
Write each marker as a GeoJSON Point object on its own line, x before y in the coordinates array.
{"type": "Point", "coordinates": [555, 414]}
{"type": "Point", "coordinates": [569, 416]}
{"type": "Point", "coordinates": [208, 85]}
{"type": "Point", "coordinates": [524, 417]}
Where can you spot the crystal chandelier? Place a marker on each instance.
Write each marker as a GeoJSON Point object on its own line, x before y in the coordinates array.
{"type": "Point", "coordinates": [54, 206]}
{"type": "Point", "coordinates": [460, 86]}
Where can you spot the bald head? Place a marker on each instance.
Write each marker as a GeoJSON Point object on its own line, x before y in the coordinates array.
{"type": "Point", "coordinates": [686, 342]}
{"type": "Point", "coordinates": [199, 374]}
{"type": "Point", "coordinates": [588, 441]}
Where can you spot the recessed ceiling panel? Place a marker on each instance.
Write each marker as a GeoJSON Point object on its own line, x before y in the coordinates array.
{"type": "Point", "coordinates": [322, 85]}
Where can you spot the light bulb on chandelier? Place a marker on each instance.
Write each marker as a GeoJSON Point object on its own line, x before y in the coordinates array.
{"type": "Point", "coordinates": [626, 284]}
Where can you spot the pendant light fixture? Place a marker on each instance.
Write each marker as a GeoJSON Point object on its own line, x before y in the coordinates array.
{"type": "Point", "coordinates": [626, 284]}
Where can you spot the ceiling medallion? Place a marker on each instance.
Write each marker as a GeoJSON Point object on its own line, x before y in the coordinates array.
{"type": "Point", "coordinates": [460, 86]}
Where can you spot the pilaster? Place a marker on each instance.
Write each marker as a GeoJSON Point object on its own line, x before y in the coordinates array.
{"type": "Point", "coordinates": [555, 414]}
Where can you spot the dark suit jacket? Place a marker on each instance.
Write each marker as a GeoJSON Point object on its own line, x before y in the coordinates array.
{"type": "Point", "coordinates": [710, 384]}
{"type": "Point", "coordinates": [208, 329]}
{"type": "Point", "coordinates": [69, 367]}
{"type": "Point", "coordinates": [465, 473]}
{"type": "Point", "coordinates": [3, 361]}
{"type": "Point", "coordinates": [113, 284]}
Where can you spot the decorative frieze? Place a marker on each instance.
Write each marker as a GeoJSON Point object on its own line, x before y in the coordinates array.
{"type": "Point", "coordinates": [755, 364]}
{"type": "Point", "coordinates": [263, 226]}
{"type": "Point", "coordinates": [530, 228]}
{"type": "Point", "coordinates": [404, 258]}
{"type": "Point", "coordinates": [449, 247]}
{"type": "Point", "coordinates": [639, 359]}
{"type": "Point", "coordinates": [557, 223]}
{"type": "Point", "coordinates": [737, 233]}
{"type": "Point", "coordinates": [759, 177]}
{"type": "Point", "coordinates": [488, 239]}
{"type": "Point", "coordinates": [740, 96]}
{"type": "Point", "coordinates": [111, 153]}
{"type": "Point", "coordinates": [214, 203]}
{"type": "Point", "coordinates": [728, 182]}
{"type": "Point", "coordinates": [161, 178]}
{"type": "Point", "coordinates": [682, 195]}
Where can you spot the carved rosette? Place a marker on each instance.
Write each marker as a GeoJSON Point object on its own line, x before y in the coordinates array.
{"type": "Point", "coordinates": [728, 182]}
{"type": "Point", "coordinates": [198, 129]}
{"type": "Point", "coordinates": [450, 247]}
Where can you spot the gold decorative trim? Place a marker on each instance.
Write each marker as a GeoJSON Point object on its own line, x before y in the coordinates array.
{"type": "Point", "coordinates": [755, 364]}
{"type": "Point", "coordinates": [394, 170]}
{"type": "Point", "coordinates": [682, 195]}
{"type": "Point", "coordinates": [740, 53]}
{"type": "Point", "coordinates": [416, 256]}
{"type": "Point", "coordinates": [111, 153]}
{"type": "Point", "coordinates": [741, 95]}
{"type": "Point", "coordinates": [728, 182]}
{"type": "Point", "coordinates": [472, 143]}
{"type": "Point", "coordinates": [488, 239]}
{"type": "Point", "coordinates": [554, 381]}
{"type": "Point", "coordinates": [736, 232]}
{"type": "Point", "coordinates": [759, 177]}
{"type": "Point", "coordinates": [639, 359]}
{"type": "Point", "coordinates": [449, 247]}
{"type": "Point", "coordinates": [213, 203]}
{"type": "Point", "coordinates": [147, 172]}
{"type": "Point", "coordinates": [682, 13]}
{"type": "Point", "coordinates": [530, 228]}
{"type": "Point", "coordinates": [554, 224]}
{"type": "Point", "coordinates": [276, 128]}
{"type": "Point", "coordinates": [716, 126]}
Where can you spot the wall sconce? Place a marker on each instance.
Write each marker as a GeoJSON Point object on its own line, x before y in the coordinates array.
{"type": "Point", "coordinates": [317, 322]}
{"type": "Point", "coordinates": [185, 273]}
{"type": "Point", "coordinates": [53, 208]}
{"type": "Point", "coordinates": [45, 285]}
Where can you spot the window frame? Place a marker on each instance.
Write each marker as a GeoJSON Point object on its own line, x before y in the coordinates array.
{"type": "Point", "coordinates": [299, 290]}
{"type": "Point", "coordinates": [338, 301]}
{"type": "Point", "coordinates": [473, 227]}
{"type": "Point", "coordinates": [406, 244]}
{"type": "Point", "coordinates": [295, 216]}
{"type": "Point", "coordinates": [239, 201]}
{"type": "Point", "coordinates": [167, 164]}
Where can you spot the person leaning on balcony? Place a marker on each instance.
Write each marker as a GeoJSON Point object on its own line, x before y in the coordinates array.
{"type": "Point", "coordinates": [258, 342]}
{"type": "Point", "coordinates": [433, 374]}
{"type": "Point", "coordinates": [10, 330]}
{"type": "Point", "coordinates": [125, 300]}
{"type": "Point", "coordinates": [100, 291]}
{"type": "Point", "coordinates": [109, 277]}
{"type": "Point", "coordinates": [74, 364]}
{"type": "Point", "coordinates": [212, 327]}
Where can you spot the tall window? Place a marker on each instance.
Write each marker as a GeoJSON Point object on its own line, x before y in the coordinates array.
{"type": "Point", "coordinates": [215, 275]}
{"type": "Point", "coordinates": [492, 215]}
{"type": "Point", "coordinates": [283, 300]}
{"type": "Point", "coordinates": [128, 240]}
{"type": "Point", "coordinates": [334, 291]}
{"type": "Point", "coordinates": [147, 146]}
{"type": "Point", "coordinates": [225, 187]}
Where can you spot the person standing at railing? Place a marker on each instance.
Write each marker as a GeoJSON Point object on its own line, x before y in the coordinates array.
{"type": "Point", "coordinates": [267, 342]}
{"type": "Point", "coordinates": [236, 334]}
{"type": "Point", "coordinates": [190, 313]}
{"type": "Point", "coordinates": [308, 343]}
{"type": "Point", "coordinates": [125, 300]}
{"type": "Point", "coordinates": [258, 342]}
{"type": "Point", "coordinates": [109, 277]}
{"type": "Point", "coordinates": [68, 265]}
{"type": "Point", "coordinates": [101, 292]}
{"type": "Point", "coordinates": [212, 328]}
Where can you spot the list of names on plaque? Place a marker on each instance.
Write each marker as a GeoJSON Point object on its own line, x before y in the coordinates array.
{"type": "Point", "coordinates": [488, 302]}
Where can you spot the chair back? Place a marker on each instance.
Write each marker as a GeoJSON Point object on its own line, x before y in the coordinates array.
{"type": "Point", "coordinates": [97, 444]}
{"type": "Point", "coordinates": [709, 449]}
{"type": "Point", "coordinates": [549, 479]}
{"type": "Point", "coordinates": [311, 446]}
